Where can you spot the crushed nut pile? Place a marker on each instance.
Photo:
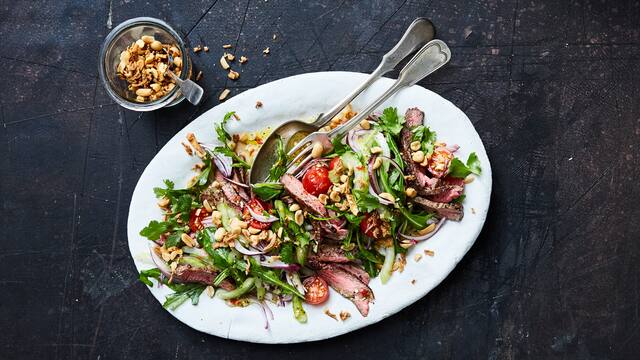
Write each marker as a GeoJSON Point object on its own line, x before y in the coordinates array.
{"type": "Point", "coordinates": [144, 65]}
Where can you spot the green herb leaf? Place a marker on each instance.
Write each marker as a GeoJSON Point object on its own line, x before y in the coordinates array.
{"type": "Point", "coordinates": [223, 135]}
{"type": "Point", "coordinates": [280, 165]}
{"type": "Point", "coordinates": [151, 273]}
{"type": "Point", "coordinates": [173, 239]}
{"type": "Point", "coordinates": [458, 169]}
{"type": "Point", "coordinates": [459, 199]}
{"type": "Point", "coordinates": [190, 291]}
{"type": "Point", "coordinates": [390, 121]}
{"type": "Point", "coordinates": [286, 253]}
{"type": "Point", "coordinates": [237, 160]}
{"type": "Point", "coordinates": [155, 229]}
{"type": "Point", "coordinates": [268, 190]}
{"type": "Point", "coordinates": [426, 137]}
{"type": "Point", "coordinates": [339, 148]}
{"type": "Point", "coordinates": [365, 201]}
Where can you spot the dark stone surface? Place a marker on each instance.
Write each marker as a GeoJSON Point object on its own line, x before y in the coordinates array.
{"type": "Point", "coordinates": [551, 86]}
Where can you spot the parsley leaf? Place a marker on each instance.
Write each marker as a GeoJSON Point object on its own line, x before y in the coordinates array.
{"type": "Point", "coordinates": [458, 169]}
{"type": "Point", "coordinates": [339, 147]}
{"type": "Point", "coordinates": [173, 239]}
{"type": "Point", "coordinates": [365, 201]}
{"type": "Point", "coordinates": [426, 137]}
{"type": "Point", "coordinates": [390, 121]}
{"type": "Point", "coordinates": [286, 253]}
{"type": "Point", "coordinates": [155, 229]}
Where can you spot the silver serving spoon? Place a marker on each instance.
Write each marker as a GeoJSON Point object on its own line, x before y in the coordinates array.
{"type": "Point", "coordinates": [417, 34]}
{"type": "Point", "coordinates": [191, 91]}
{"type": "Point", "coordinates": [430, 58]}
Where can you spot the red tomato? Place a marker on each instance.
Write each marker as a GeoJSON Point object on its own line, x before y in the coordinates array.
{"type": "Point", "coordinates": [258, 206]}
{"type": "Point", "coordinates": [439, 162]}
{"type": "Point", "coordinates": [195, 219]}
{"type": "Point", "coordinates": [316, 180]}
{"type": "Point", "coordinates": [368, 224]}
{"type": "Point", "coordinates": [333, 162]}
{"type": "Point", "coordinates": [317, 290]}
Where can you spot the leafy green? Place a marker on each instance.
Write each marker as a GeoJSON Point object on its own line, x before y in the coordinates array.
{"type": "Point", "coordinates": [237, 160]}
{"type": "Point", "coordinates": [426, 137]}
{"type": "Point", "coordinates": [417, 220]}
{"type": "Point", "coordinates": [244, 288]}
{"type": "Point", "coordinates": [395, 151]}
{"type": "Point", "coordinates": [151, 273]}
{"type": "Point", "coordinates": [280, 165]}
{"type": "Point", "coordinates": [365, 201]}
{"type": "Point", "coordinates": [286, 253]}
{"type": "Point", "coordinates": [390, 121]}
{"type": "Point", "coordinates": [268, 190]}
{"type": "Point", "coordinates": [223, 135]}
{"type": "Point", "coordinates": [458, 169]}
{"type": "Point", "coordinates": [183, 206]}
{"type": "Point", "coordinates": [155, 229]}
{"type": "Point", "coordinates": [339, 147]}
{"type": "Point", "coordinates": [298, 310]}
{"type": "Point", "coordinates": [271, 277]}
{"type": "Point", "coordinates": [459, 199]}
{"type": "Point", "coordinates": [189, 291]}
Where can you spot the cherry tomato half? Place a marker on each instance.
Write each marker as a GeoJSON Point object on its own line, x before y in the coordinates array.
{"type": "Point", "coordinates": [368, 224]}
{"type": "Point", "coordinates": [317, 290]}
{"type": "Point", "coordinates": [258, 206]}
{"type": "Point", "coordinates": [195, 219]}
{"type": "Point", "coordinates": [333, 162]}
{"type": "Point", "coordinates": [316, 180]}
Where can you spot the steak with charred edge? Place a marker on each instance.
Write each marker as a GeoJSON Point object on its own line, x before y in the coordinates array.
{"type": "Point", "coordinates": [452, 189]}
{"type": "Point", "coordinates": [422, 182]}
{"type": "Point", "coordinates": [302, 197]}
{"type": "Point", "coordinates": [345, 283]}
{"type": "Point", "coordinates": [187, 274]}
{"type": "Point", "coordinates": [230, 192]}
{"type": "Point", "coordinates": [330, 253]}
{"type": "Point", "coordinates": [450, 211]}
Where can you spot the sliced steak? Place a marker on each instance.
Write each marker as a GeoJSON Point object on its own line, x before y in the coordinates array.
{"type": "Point", "coordinates": [240, 190]}
{"type": "Point", "coordinates": [450, 190]}
{"type": "Point", "coordinates": [331, 231]}
{"type": "Point", "coordinates": [302, 197]}
{"type": "Point", "coordinates": [355, 271]}
{"type": "Point", "coordinates": [331, 253]}
{"type": "Point", "coordinates": [450, 211]}
{"type": "Point", "coordinates": [345, 283]}
{"type": "Point", "coordinates": [413, 118]}
{"type": "Point", "coordinates": [229, 191]}
{"type": "Point", "coordinates": [187, 274]}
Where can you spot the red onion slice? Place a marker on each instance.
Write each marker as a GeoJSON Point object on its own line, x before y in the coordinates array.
{"type": "Point", "coordinates": [160, 263]}
{"type": "Point", "coordinates": [374, 188]}
{"type": "Point", "coordinates": [415, 239]}
{"type": "Point", "coordinates": [380, 139]}
{"type": "Point", "coordinates": [261, 218]}
{"type": "Point", "coordinates": [195, 251]}
{"type": "Point", "coordinates": [244, 251]}
{"type": "Point", "coordinates": [236, 182]}
{"type": "Point", "coordinates": [275, 264]}
{"type": "Point", "coordinates": [223, 163]}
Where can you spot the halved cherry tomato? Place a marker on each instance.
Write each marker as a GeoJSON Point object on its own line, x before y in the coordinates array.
{"type": "Point", "coordinates": [439, 161]}
{"type": "Point", "coordinates": [316, 289]}
{"type": "Point", "coordinates": [316, 180]}
{"type": "Point", "coordinates": [333, 162]}
{"type": "Point", "coordinates": [368, 224]}
{"type": "Point", "coordinates": [195, 219]}
{"type": "Point", "coordinates": [258, 206]}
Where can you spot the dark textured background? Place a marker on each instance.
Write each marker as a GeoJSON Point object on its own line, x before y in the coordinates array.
{"type": "Point", "coordinates": [551, 86]}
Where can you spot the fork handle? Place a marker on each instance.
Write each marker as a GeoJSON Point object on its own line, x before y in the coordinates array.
{"type": "Point", "coordinates": [419, 32]}
{"type": "Point", "coordinates": [430, 58]}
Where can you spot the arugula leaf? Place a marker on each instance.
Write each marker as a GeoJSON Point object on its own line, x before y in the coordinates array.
{"type": "Point", "coordinates": [155, 229]}
{"type": "Point", "coordinates": [160, 192]}
{"type": "Point", "coordinates": [151, 273]}
{"type": "Point", "coordinates": [223, 135]}
{"type": "Point", "coordinates": [458, 169]}
{"type": "Point", "coordinates": [286, 253]}
{"type": "Point", "coordinates": [395, 151]}
{"type": "Point", "coordinates": [237, 160]}
{"type": "Point", "coordinates": [271, 277]}
{"type": "Point", "coordinates": [268, 190]}
{"type": "Point", "coordinates": [191, 291]}
{"type": "Point", "coordinates": [338, 147]}
{"type": "Point", "coordinates": [417, 220]}
{"type": "Point", "coordinates": [390, 121]}
{"type": "Point", "coordinates": [182, 206]}
{"type": "Point", "coordinates": [280, 165]}
{"type": "Point", "coordinates": [173, 239]}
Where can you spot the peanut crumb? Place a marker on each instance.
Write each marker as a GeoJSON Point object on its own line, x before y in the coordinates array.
{"type": "Point", "coordinates": [344, 315]}
{"type": "Point", "coordinates": [235, 116]}
{"type": "Point", "coordinates": [330, 314]}
{"type": "Point", "coordinates": [197, 49]}
{"type": "Point", "coordinates": [233, 75]}
{"type": "Point", "coordinates": [229, 57]}
{"type": "Point", "coordinates": [473, 211]}
{"type": "Point", "coordinates": [243, 59]}
{"type": "Point", "coordinates": [187, 148]}
{"type": "Point", "coordinates": [413, 282]}
{"type": "Point", "coordinates": [274, 36]}
{"type": "Point", "coordinates": [258, 104]}
{"type": "Point", "coordinates": [199, 76]}
{"type": "Point", "coordinates": [266, 51]}
{"type": "Point", "coordinates": [429, 253]}
{"type": "Point", "coordinates": [417, 257]}
{"type": "Point", "coordinates": [206, 49]}
{"type": "Point", "coordinates": [224, 94]}
{"type": "Point", "coordinates": [226, 46]}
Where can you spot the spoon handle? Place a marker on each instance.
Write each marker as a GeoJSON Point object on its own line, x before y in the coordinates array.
{"type": "Point", "coordinates": [430, 58]}
{"type": "Point", "coordinates": [417, 34]}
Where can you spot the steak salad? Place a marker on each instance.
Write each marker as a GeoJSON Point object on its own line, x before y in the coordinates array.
{"type": "Point", "coordinates": [349, 216]}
